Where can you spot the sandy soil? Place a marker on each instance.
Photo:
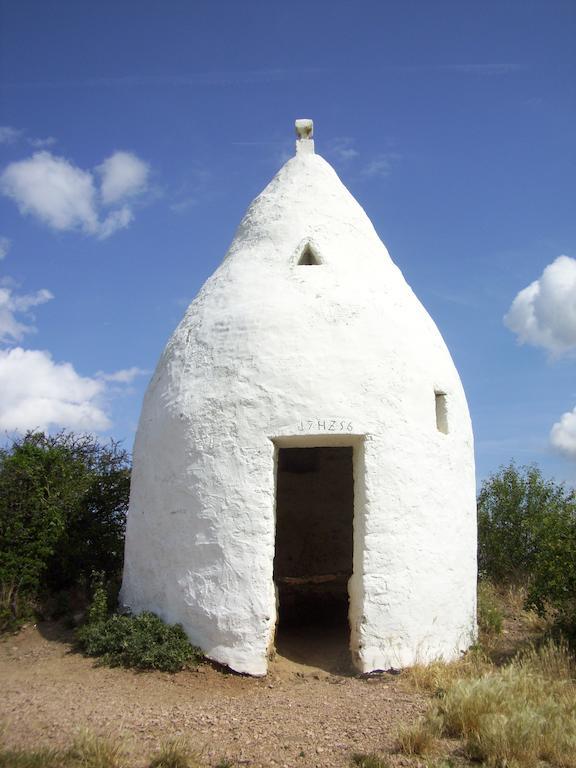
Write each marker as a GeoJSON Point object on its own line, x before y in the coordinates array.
{"type": "Point", "coordinates": [302, 714]}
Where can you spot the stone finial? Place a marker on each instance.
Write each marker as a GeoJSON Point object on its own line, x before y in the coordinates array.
{"type": "Point", "coordinates": [304, 131]}
{"type": "Point", "coordinates": [304, 128]}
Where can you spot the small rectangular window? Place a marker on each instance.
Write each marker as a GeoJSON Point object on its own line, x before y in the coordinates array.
{"type": "Point", "coordinates": [441, 412]}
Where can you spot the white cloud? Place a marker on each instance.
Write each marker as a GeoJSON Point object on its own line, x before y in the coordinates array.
{"type": "Point", "coordinates": [12, 329]}
{"type": "Point", "coordinates": [124, 376]}
{"type": "Point", "coordinates": [64, 196]}
{"type": "Point", "coordinates": [123, 175]}
{"type": "Point", "coordinates": [544, 313]}
{"type": "Point", "coordinates": [115, 221]}
{"type": "Point", "coordinates": [195, 189]}
{"type": "Point", "coordinates": [5, 244]}
{"type": "Point", "coordinates": [9, 135]}
{"type": "Point", "coordinates": [184, 204]}
{"type": "Point", "coordinates": [41, 143]}
{"type": "Point", "coordinates": [54, 190]}
{"type": "Point", "coordinates": [37, 393]}
{"type": "Point", "coordinates": [382, 165]}
{"type": "Point", "coordinates": [563, 434]}
{"type": "Point", "coordinates": [342, 148]}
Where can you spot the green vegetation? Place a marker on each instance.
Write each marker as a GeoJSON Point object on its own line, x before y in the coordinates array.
{"type": "Point", "coordinates": [63, 502]}
{"type": "Point", "coordinates": [527, 535]}
{"type": "Point", "coordinates": [98, 611]}
{"type": "Point", "coordinates": [141, 642]}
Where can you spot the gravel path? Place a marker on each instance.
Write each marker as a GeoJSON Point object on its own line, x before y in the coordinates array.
{"type": "Point", "coordinates": [296, 716]}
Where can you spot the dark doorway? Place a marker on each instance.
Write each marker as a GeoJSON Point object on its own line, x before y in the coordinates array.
{"type": "Point", "coordinates": [314, 545]}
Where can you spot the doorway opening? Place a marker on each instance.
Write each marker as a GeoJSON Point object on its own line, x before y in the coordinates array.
{"type": "Point", "coordinates": [313, 559]}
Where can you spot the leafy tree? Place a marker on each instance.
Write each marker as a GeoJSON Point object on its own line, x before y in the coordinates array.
{"type": "Point", "coordinates": [527, 533]}
{"type": "Point", "coordinates": [553, 580]}
{"type": "Point", "coordinates": [63, 501]}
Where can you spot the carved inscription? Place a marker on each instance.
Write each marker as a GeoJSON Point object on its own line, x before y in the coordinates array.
{"type": "Point", "coordinates": [325, 425]}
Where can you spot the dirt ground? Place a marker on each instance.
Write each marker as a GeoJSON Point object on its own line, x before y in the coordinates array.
{"type": "Point", "coordinates": [317, 713]}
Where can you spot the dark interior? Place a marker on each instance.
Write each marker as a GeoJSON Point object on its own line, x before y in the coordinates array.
{"type": "Point", "coordinates": [314, 536]}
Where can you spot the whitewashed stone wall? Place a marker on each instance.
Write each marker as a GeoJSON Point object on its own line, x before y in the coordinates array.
{"type": "Point", "coordinates": [275, 354]}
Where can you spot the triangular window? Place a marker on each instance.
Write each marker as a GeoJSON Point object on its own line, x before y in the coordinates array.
{"type": "Point", "coordinates": [308, 257]}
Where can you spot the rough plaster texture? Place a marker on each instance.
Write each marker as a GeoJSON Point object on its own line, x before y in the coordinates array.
{"type": "Point", "coordinates": [274, 354]}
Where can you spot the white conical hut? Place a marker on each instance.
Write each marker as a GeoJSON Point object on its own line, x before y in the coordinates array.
{"type": "Point", "coordinates": [305, 446]}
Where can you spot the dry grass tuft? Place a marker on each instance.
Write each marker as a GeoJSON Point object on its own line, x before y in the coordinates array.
{"type": "Point", "coordinates": [514, 717]}
{"type": "Point", "coordinates": [552, 660]}
{"type": "Point", "coordinates": [176, 754]}
{"type": "Point", "coordinates": [419, 739]}
{"type": "Point", "coordinates": [89, 751]}
{"type": "Point", "coordinates": [490, 613]}
{"type": "Point", "coordinates": [514, 599]}
{"type": "Point", "coordinates": [36, 758]}
{"type": "Point", "coordinates": [437, 676]}
{"type": "Point", "coordinates": [513, 602]}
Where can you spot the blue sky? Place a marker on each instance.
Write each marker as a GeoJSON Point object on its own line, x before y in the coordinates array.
{"type": "Point", "coordinates": [452, 123]}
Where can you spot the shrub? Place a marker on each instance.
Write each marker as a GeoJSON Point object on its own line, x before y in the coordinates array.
{"type": "Point", "coordinates": [527, 533]}
{"type": "Point", "coordinates": [141, 642]}
{"type": "Point", "coordinates": [63, 502]}
{"type": "Point", "coordinates": [98, 610]}
{"type": "Point", "coordinates": [514, 507]}
{"type": "Point", "coordinates": [552, 586]}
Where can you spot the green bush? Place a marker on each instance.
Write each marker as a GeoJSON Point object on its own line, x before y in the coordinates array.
{"type": "Point", "coordinates": [98, 610]}
{"type": "Point", "coordinates": [141, 642]}
{"type": "Point", "coordinates": [527, 534]}
{"type": "Point", "coordinates": [516, 507]}
{"type": "Point", "coordinates": [552, 586]}
{"type": "Point", "coordinates": [63, 502]}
